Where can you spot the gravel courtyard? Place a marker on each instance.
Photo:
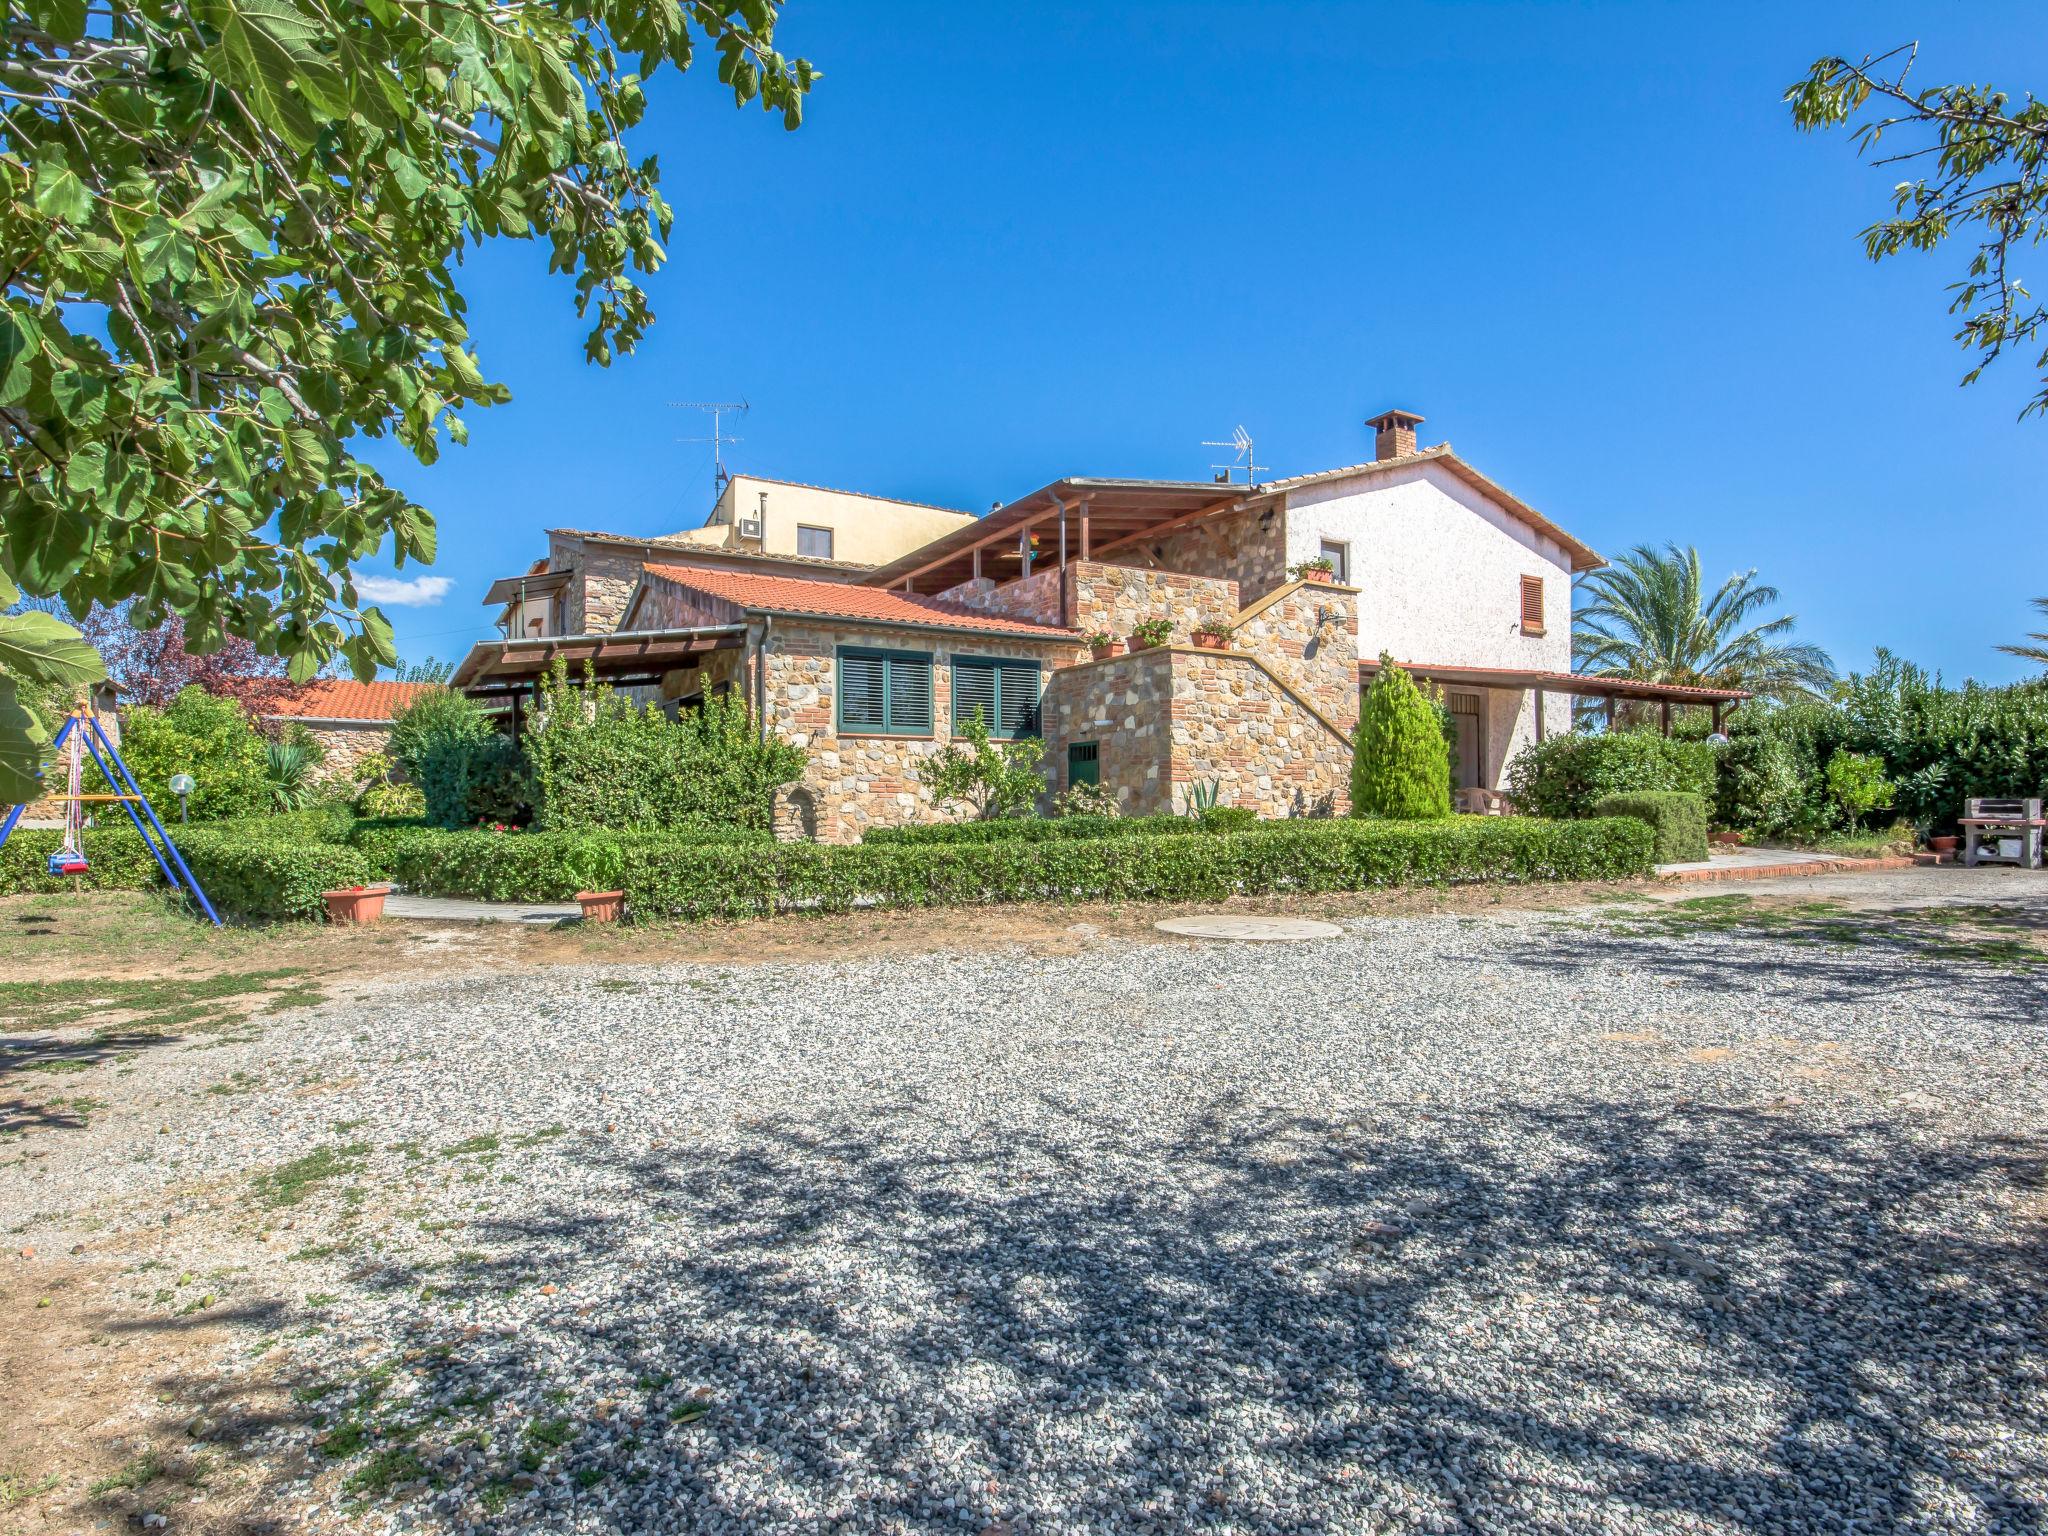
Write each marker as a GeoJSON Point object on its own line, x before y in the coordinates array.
{"type": "Point", "coordinates": [1690, 1212]}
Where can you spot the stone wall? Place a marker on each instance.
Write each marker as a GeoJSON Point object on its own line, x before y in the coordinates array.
{"type": "Point", "coordinates": [1167, 718]}
{"type": "Point", "coordinates": [1307, 632]}
{"type": "Point", "coordinates": [1116, 599]}
{"type": "Point", "coordinates": [1123, 705]}
{"type": "Point", "coordinates": [1249, 548]}
{"type": "Point", "coordinates": [595, 602]}
{"type": "Point", "coordinates": [870, 781]}
{"type": "Point", "coordinates": [346, 744]}
{"type": "Point", "coordinates": [1035, 599]}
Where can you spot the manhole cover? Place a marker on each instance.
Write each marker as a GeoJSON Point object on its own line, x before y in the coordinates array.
{"type": "Point", "coordinates": [1222, 926]}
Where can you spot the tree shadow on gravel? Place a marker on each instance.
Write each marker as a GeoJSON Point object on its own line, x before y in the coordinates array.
{"type": "Point", "coordinates": [1592, 1315]}
{"type": "Point", "coordinates": [1830, 955]}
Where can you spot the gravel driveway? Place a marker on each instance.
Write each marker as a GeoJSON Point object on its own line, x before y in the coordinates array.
{"type": "Point", "coordinates": [1642, 1219]}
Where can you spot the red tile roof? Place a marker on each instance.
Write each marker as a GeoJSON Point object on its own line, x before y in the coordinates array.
{"type": "Point", "coordinates": [340, 698]}
{"type": "Point", "coordinates": [835, 600]}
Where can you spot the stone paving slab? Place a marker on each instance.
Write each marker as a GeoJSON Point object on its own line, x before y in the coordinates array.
{"type": "Point", "coordinates": [448, 909]}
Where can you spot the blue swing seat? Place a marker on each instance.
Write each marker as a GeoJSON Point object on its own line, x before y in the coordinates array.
{"type": "Point", "coordinates": [62, 863]}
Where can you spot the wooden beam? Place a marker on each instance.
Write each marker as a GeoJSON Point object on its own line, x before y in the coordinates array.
{"type": "Point", "coordinates": [1172, 524]}
{"type": "Point", "coordinates": [975, 548]}
{"type": "Point", "coordinates": [1664, 714]}
{"type": "Point", "coordinates": [976, 553]}
{"type": "Point", "coordinates": [1610, 711]}
{"type": "Point", "coordinates": [1539, 715]}
{"type": "Point", "coordinates": [1084, 528]}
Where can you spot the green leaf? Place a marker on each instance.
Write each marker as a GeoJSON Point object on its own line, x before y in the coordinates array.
{"type": "Point", "coordinates": [163, 250]}
{"type": "Point", "coordinates": [22, 744]}
{"type": "Point", "coordinates": [19, 344]}
{"type": "Point", "coordinates": [64, 19]}
{"type": "Point", "coordinates": [59, 192]}
{"type": "Point", "coordinates": [47, 543]}
{"type": "Point", "coordinates": [273, 57]}
{"type": "Point", "coordinates": [41, 648]}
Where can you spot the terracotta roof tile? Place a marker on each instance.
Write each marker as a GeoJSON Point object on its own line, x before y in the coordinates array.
{"type": "Point", "coordinates": [341, 698]}
{"type": "Point", "coordinates": [834, 600]}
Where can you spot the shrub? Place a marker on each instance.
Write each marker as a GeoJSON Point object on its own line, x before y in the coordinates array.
{"type": "Point", "coordinates": [1031, 829]}
{"type": "Point", "coordinates": [992, 778]}
{"type": "Point", "coordinates": [465, 780]}
{"type": "Point", "coordinates": [1399, 767]}
{"type": "Point", "coordinates": [1565, 776]}
{"type": "Point", "coordinates": [209, 737]}
{"type": "Point", "coordinates": [435, 714]}
{"type": "Point", "coordinates": [1085, 799]}
{"type": "Point", "coordinates": [1297, 856]}
{"type": "Point", "coordinates": [1763, 788]}
{"type": "Point", "coordinates": [601, 761]}
{"type": "Point", "coordinates": [1679, 819]}
{"type": "Point", "coordinates": [268, 874]}
{"type": "Point", "coordinates": [288, 770]}
{"type": "Point", "coordinates": [1226, 818]}
{"type": "Point", "coordinates": [389, 801]}
{"type": "Point", "coordinates": [518, 866]}
{"type": "Point", "coordinates": [117, 861]}
{"type": "Point", "coordinates": [1857, 785]}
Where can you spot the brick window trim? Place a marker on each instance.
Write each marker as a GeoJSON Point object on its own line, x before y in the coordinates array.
{"type": "Point", "coordinates": [1532, 605]}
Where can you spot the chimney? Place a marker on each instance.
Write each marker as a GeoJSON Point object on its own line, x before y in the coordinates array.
{"type": "Point", "coordinates": [1393, 434]}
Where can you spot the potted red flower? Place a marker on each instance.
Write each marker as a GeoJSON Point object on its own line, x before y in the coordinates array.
{"type": "Point", "coordinates": [356, 903]}
{"type": "Point", "coordinates": [1322, 569]}
{"type": "Point", "coordinates": [1150, 633]}
{"type": "Point", "coordinates": [1212, 635]}
{"type": "Point", "coordinates": [1105, 645]}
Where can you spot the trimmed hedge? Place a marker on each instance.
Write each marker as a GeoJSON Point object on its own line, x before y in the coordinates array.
{"type": "Point", "coordinates": [1300, 856]}
{"type": "Point", "coordinates": [514, 866]}
{"type": "Point", "coordinates": [1567, 775]}
{"type": "Point", "coordinates": [1031, 829]}
{"type": "Point", "coordinates": [1679, 820]}
{"type": "Point", "coordinates": [273, 866]}
{"type": "Point", "coordinates": [270, 875]}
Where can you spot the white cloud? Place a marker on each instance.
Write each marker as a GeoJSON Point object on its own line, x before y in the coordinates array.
{"type": "Point", "coordinates": [420, 592]}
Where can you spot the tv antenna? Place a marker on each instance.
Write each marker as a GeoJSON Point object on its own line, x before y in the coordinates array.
{"type": "Point", "coordinates": [1246, 459]}
{"type": "Point", "coordinates": [719, 436]}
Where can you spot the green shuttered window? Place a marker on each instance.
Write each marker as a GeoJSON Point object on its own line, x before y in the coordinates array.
{"type": "Point", "coordinates": [1006, 693]}
{"type": "Point", "coordinates": [886, 693]}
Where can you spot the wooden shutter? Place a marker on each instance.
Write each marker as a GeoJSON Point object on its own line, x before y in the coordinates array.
{"type": "Point", "coordinates": [910, 694]}
{"type": "Point", "coordinates": [863, 692]}
{"type": "Point", "coordinates": [1005, 691]}
{"type": "Point", "coordinates": [1018, 697]}
{"type": "Point", "coordinates": [1532, 605]}
{"type": "Point", "coordinates": [974, 688]}
{"type": "Point", "coordinates": [885, 692]}
{"type": "Point", "coordinates": [1084, 763]}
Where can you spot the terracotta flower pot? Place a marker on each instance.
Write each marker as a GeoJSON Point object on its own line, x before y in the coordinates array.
{"type": "Point", "coordinates": [1726, 839]}
{"type": "Point", "coordinates": [1943, 844]}
{"type": "Point", "coordinates": [1137, 645]}
{"type": "Point", "coordinates": [1114, 648]}
{"type": "Point", "coordinates": [1205, 641]}
{"type": "Point", "coordinates": [601, 906]}
{"type": "Point", "coordinates": [357, 904]}
{"type": "Point", "coordinates": [1325, 577]}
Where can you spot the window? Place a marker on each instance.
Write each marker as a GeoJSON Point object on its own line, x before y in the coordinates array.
{"type": "Point", "coordinates": [885, 693]}
{"type": "Point", "coordinates": [814, 543]}
{"type": "Point", "coordinates": [1532, 605]}
{"type": "Point", "coordinates": [1006, 693]}
{"type": "Point", "coordinates": [1339, 556]}
{"type": "Point", "coordinates": [1084, 763]}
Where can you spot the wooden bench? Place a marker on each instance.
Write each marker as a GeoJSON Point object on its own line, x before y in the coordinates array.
{"type": "Point", "coordinates": [2002, 832]}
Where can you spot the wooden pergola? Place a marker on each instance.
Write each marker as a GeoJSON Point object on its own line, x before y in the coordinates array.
{"type": "Point", "coordinates": [511, 670]}
{"type": "Point", "coordinates": [1577, 684]}
{"type": "Point", "coordinates": [1078, 519]}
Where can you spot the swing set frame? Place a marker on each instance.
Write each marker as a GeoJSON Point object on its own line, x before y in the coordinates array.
{"type": "Point", "coordinates": [85, 727]}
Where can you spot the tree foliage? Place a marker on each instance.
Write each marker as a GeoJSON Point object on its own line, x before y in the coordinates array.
{"type": "Point", "coordinates": [211, 738]}
{"type": "Point", "coordinates": [1649, 616]}
{"type": "Point", "coordinates": [991, 778]}
{"type": "Point", "coordinates": [153, 666]}
{"type": "Point", "coordinates": [1977, 161]}
{"type": "Point", "coordinates": [230, 229]}
{"type": "Point", "coordinates": [2037, 650]}
{"type": "Point", "coordinates": [1401, 766]}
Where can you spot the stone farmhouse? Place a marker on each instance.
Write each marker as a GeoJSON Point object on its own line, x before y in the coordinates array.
{"type": "Point", "coordinates": [347, 718]}
{"type": "Point", "coordinates": [1296, 587]}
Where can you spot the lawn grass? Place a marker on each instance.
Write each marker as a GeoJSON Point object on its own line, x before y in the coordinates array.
{"type": "Point", "coordinates": [1986, 934]}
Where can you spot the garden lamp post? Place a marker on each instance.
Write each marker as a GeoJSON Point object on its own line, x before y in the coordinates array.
{"type": "Point", "coordinates": [182, 786]}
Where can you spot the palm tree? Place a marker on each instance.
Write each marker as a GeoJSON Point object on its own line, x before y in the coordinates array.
{"type": "Point", "coordinates": [1648, 616]}
{"type": "Point", "coordinates": [2032, 652]}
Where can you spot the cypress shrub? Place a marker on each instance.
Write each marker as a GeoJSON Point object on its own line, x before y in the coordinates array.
{"type": "Point", "coordinates": [1679, 820]}
{"type": "Point", "coordinates": [1400, 765]}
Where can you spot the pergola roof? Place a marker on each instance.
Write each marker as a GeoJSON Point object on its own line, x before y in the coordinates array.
{"type": "Point", "coordinates": [1579, 684]}
{"type": "Point", "coordinates": [1118, 512]}
{"type": "Point", "coordinates": [630, 657]}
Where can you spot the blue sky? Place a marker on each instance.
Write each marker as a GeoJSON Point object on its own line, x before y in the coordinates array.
{"type": "Point", "coordinates": [1014, 241]}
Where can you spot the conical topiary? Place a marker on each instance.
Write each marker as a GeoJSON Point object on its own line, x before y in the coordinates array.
{"type": "Point", "coordinates": [1400, 766]}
